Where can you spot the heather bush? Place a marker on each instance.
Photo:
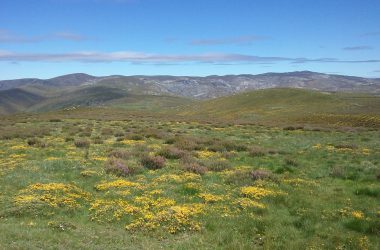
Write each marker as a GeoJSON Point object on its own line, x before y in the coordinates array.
{"type": "Point", "coordinates": [120, 153]}
{"type": "Point", "coordinates": [239, 177]}
{"type": "Point", "coordinates": [153, 162]}
{"type": "Point", "coordinates": [32, 141]}
{"type": "Point", "coordinates": [135, 137]}
{"type": "Point", "coordinates": [291, 162]}
{"type": "Point", "coordinates": [82, 143]}
{"type": "Point", "coordinates": [257, 151]}
{"type": "Point", "coordinates": [55, 120]}
{"type": "Point", "coordinates": [36, 142]}
{"type": "Point", "coordinates": [98, 140]}
{"type": "Point", "coordinates": [68, 139]}
{"type": "Point", "coordinates": [107, 131]}
{"type": "Point", "coordinates": [188, 143]}
{"type": "Point", "coordinates": [119, 133]}
{"type": "Point", "coordinates": [195, 167]}
{"type": "Point", "coordinates": [120, 167]}
{"type": "Point", "coordinates": [217, 165]}
{"type": "Point", "coordinates": [171, 153]}
{"type": "Point", "coordinates": [261, 174]}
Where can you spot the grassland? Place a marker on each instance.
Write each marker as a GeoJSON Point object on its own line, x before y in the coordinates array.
{"type": "Point", "coordinates": [117, 177]}
{"type": "Point", "coordinates": [146, 183]}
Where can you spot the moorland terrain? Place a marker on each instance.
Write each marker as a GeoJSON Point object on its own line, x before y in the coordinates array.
{"type": "Point", "coordinates": [235, 162]}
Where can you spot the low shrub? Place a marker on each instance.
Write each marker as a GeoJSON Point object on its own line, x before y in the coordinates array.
{"type": "Point", "coordinates": [171, 153]}
{"type": "Point", "coordinates": [217, 165]}
{"type": "Point", "coordinates": [261, 174]}
{"type": "Point", "coordinates": [338, 172]}
{"type": "Point", "coordinates": [98, 140]}
{"type": "Point", "coordinates": [195, 167]}
{"type": "Point", "coordinates": [188, 143]}
{"type": "Point", "coordinates": [107, 131]}
{"type": "Point", "coordinates": [290, 162]}
{"type": "Point", "coordinates": [119, 133]}
{"type": "Point", "coordinates": [68, 139]}
{"type": "Point", "coordinates": [32, 141]}
{"type": "Point", "coordinates": [346, 146]}
{"type": "Point", "coordinates": [154, 133]}
{"type": "Point", "coordinates": [119, 167]}
{"type": "Point", "coordinates": [153, 162]}
{"type": "Point", "coordinates": [170, 140]}
{"type": "Point", "coordinates": [36, 143]}
{"type": "Point", "coordinates": [55, 120]}
{"type": "Point", "coordinates": [120, 153]}
{"type": "Point", "coordinates": [372, 192]}
{"type": "Point", "coordinates": [82, 143]}
{"type": "Point", "coordinates": [239, 177]}
{"type": "Point", "coordinates": [135, 137]}
{"type": "Point", "coordinates": [257, 152]}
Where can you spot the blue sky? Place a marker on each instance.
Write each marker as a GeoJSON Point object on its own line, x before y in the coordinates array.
{"type": "Point", "coordinates": [47, 38]}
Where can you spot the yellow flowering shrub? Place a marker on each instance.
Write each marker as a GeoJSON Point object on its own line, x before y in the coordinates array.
{"type": "Point", "coordinates": [211, 198]}
{"type": "Point", "coordinates": [132, 142]}
{"type": "Point", "coordinates": [19, 147]}
{"type": "Point", "coordinates": [88, 173]}
{"type": "Point", "coordinates": [207, 154]}
{"type": "Point", "coordinates": [258, 192]}
{"type": "Point", "coordinates": [246, 203]}
{"type": "Point", "coordinates": [357, 214]}
{"type": "Point", "coordinates": [299, 182]}
{"type": "Point", "coordinates": [185, 177]}
{"type": "Point", "coordinates": [173, 219]}
{"type": "Point", "coordinates": [117, 184]}
{"type": "Point", "coordinates": [110, 210]}
{"type": "Point", "coordinates": [99, 158]}
{"type": "Point", "coordinates": [51, 194]}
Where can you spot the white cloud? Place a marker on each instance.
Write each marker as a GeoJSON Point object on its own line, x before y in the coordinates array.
{"type": "Point", "coordinates": [7, 36]}
{"type": "Point", "coordinates": [142, 57]}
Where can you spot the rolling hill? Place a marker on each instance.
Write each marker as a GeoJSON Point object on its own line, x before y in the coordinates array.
{"type": "Point", "coordinates": [15, 100]}
{"type": "Point", "coordinates": [155, 92]}
{"type": "Point", "coordinates": [286, 105]}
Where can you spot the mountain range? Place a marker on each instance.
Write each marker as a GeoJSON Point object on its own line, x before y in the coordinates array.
{"type": "Point", "coordinates": [147, 92]}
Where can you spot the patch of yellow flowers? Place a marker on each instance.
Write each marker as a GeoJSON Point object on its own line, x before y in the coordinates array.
{"type": "Point", "coordinates": [52, 195]}
{"type": "Point", "coordinates": [207, 154]}
{"type": "Point", "coordinates": [258, 192]}
{"type": "Point", "coordinates": [117, 184]}
{"type": "Point", "coordinates": [211, 198]}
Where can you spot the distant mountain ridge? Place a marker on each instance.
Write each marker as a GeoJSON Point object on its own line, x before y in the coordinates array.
{"type": "Point", "coordinates": [152, 92]}
{"type": "Point", "coordinates": [208, 86]}
{"type": "Point", "coordinates": [60, 81]}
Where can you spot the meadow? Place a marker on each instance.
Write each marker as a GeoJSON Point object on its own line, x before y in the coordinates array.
{"type": "Point", "coordinates": [72, 181]}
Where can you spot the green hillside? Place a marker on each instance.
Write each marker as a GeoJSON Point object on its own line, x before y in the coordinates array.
{"type": "Point", "coordinates": [290, 105]}
{"type": "Point", "coordinates": [16, 100]}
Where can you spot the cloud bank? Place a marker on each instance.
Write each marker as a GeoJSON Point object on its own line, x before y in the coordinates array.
{"type": "Point", "coordinates": [10, 37]}
{"type": "Point", "coordinates": [141, 57]}
{"type": "Point", "coordinates": [240, 40]}
{"type": "Point", "coordinates": [362, 47]}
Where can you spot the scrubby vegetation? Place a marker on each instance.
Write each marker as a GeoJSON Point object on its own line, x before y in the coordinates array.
{"type": "Point", "coordinates": [143, 182]}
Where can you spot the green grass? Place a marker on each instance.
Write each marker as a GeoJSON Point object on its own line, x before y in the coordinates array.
{"type": "Point", "coordinates": [320, 189]}
{"type": "Point", "coordinates": [291, 106]}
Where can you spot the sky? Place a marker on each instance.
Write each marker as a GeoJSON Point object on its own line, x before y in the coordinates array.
{"type": "Point", "coordinates": [48, 38]}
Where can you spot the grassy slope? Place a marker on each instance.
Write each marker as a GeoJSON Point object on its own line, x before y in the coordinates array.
{"type": "Point", "coordinates": [109, 97]}
{"type": "Point", "coordinates": [286, 105]}
{"type": "Point", "coordinates": [15, 100]}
